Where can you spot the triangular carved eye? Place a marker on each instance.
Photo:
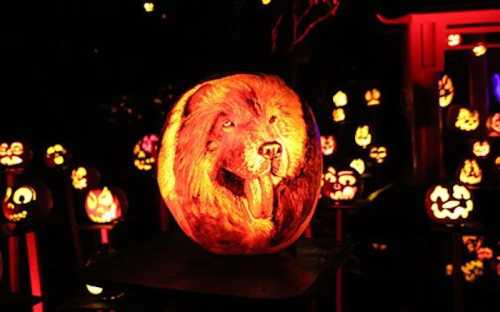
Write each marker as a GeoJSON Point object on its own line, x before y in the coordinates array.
{"type": "Point", "coordinates": [91, 201]}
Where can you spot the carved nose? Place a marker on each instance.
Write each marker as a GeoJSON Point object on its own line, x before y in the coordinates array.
{"type": "Point", "coordinates": [270, 150]}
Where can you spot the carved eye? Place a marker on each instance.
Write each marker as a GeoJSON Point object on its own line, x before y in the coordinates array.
{"type": "Point", "coordinates": [228, 124]}
{"type": "Point", "coordinates": [272, 119]}
{"type": "Point", "coordinates": [24, 195]}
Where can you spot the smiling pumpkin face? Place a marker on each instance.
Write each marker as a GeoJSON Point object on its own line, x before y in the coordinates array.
{"type": "Point", "coordinates": [449, 204]}
{"type": "Point", "coordinates": [14, 154]}
{"type": "Point", "coordinates": [26, 203]}
{"type": "Point", "coordinates": [340, 186]}
{"type": "Point", "coordinates": [470, 172]}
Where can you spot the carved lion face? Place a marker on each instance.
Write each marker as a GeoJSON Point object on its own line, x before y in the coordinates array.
{"type": "Point", "coordinates": [232, 167]}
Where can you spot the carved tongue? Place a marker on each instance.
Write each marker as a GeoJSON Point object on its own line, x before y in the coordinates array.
{"type": "Point", "coordinates": [259, 193]}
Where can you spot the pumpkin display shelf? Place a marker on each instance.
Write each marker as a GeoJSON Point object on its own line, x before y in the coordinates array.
{"type": "Point", "coordinates": [173, 264]}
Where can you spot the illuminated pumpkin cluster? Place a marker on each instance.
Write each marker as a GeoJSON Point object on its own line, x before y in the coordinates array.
{"type": "Point", "coordinates": [14, 154]}
{"type": "Point", "coordinates": [467, 120]}
{"type": "Point", "coordinates": [104, 205]}
{"type": "Point", "coordinates": [363, 137]}
{"type": "Point", "coordinates": [327, 144]}
{"type": "Point", "coordinates": [446, 91]}
{"type": "Point", "coordinates": [145, 152]}
{"type": "Point", "coordinates": [493, 125]}
{"type": "Point", "coordinates": [481, 148]}
{"type": "Point", "coordinates": [372, 97]}
{"type": "Point", "coordinates": [83, 178]}
{"type": "Point", "coordinates": [56, 156]}
{"type": "Point", "coordinates": [340, 186]}
{"type": "Point", "coordinates": [249, 182]}
{"type": "Point", "coordinates": [26, 203]}
{"type": "Point", "coordinates": [449, 204]}
{"type": "Point", "coordinates": [470, 172]}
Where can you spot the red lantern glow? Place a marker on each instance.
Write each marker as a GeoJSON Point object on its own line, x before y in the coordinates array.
{"type": "Point", "coordinates": [250, 182]}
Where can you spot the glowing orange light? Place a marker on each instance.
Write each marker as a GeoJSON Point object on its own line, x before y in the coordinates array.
{"type": "Point", "coordinates": [266, 2]}
{"type": "Point", "coordinates": [339, 99]}
{"type": "Point", "coordinates": [481, 148]}
{"type": "Point", "coordinates": [454, 40]}
{"type": "Point", "coordinates": [338, 114]}
{"type": "Point", "coordinates": [467, 120]}
{"type": "Point", "coordinates": [449, 204]}
{"type": "Point", "coordinates": [470, 172]}
{"type": "Point", "coordinates": [327, 144]}
{"type": "Point", "coordinates": [472, 270]}
{"type": "Point", "coordinates": [102, 206]}
{"type": "Point", "coordinates": [358, 164]}
{"type": "Point", "coordinates": [363, 137]}
{"type": "Point", "coordinates": [378, 153]}
{"type": "Point", "coordinates": [55, 155]}
{"type": "Point", "coordinates": [446, 91]}
{"type": "Point", "coordinates": [493, 125]}
{"type": "Point", "coordinates": [497, 161]}
{"type": "Point", "coordinates": [372, 97]}
{"type": "Point", "coordinates": [479, 49]}
{"type": "Point", "coordinates": [149, 6]}
{"type": "Point", "coordinates": [484, 253]}
{"type": "Point", "coordinates": [248, 183]}
{"type": "Point", "coordinates": [79, 178]}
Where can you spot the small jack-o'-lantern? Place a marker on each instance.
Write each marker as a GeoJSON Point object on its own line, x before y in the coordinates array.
{"type": "Point", "coordinates": [378, 153]}
{"type": "Point", "coordinates": [14, 155]}
{"type": "Point", "coordinates": [470, 172]}
{"type": "Point", "coordinates": [358, 164]}
{"type": "Point", "coordinates": [340, 186]}
{"type": "Point", "coordinates": [56, 156]}
{"type": "Point", "coordinates": [339, 99]}
{"type": "Point", "coordinates": [449, 204]}
{"type": "Point", "coordinates": [83, 178]}
{"type": "Point", "coordinates": [472, 270]}
{"type": "Point", "coordinates": [145, 152]}
{"type": "Point", "coordinates": [446, 91]}
{"type": "Point", "coordinates": [363, 137]}
{"type": "Point", "coordinates": [454, 40]}
{"type": "Point", "coordinates": [467, 120]}
{"type": "Point", "coordinates": [338, 114]}
{"type": "Point", "coordinates": [481, 148]}
{"type": "Point", "coordinates": [484, 253]}
{"type": "Point", "coordinates": [105, 205]}
{"type": "Point", "coordinates": [472, 242]}
{"type": "Point", "coordinates": [479, 49]}
{"type": "Point", "coordinates": [26, 203]}
{"type": "Point", "coordinates": [493, 125]}
{"type": "Point", "coordinates": [497, 162]}
{"type": "Point", "coordinates": [372, 97]}
{"type": "Point", "coordinates": [327, 144]}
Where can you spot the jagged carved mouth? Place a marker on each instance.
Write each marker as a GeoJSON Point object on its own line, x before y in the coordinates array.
{"type": "Point", "coordinates": [257, 193]}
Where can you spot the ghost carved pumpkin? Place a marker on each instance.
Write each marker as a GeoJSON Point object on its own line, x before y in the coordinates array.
{"type": "Point", "coordinates": [338, 114]}
{"type": "Point", "coordinates": [340, 186]}
{"type": "Point", "coordinates": [363, 137]}
{"type": "Point", "coordinates": [105, 205]}
{"type": "Point", "coordinates": [449, 203]}
{"type": "Point", "coordinates": [14, 155]}
{"type": "Point", "coordinates": [378, 153]}
{"type": "Point", "coordinates": [327, 144]}
{"type": "Point", "coordinates": [83, 178]}
{"type": "Point", "coordinates": [26, 203]}
{"type": "Point", "coordinates": [470, 172]}
{"type": "Point", "coordinates": [145, 152]}
{"type": "Point", "coordinates": [372, 97]}
{"type": "Point", "coordinates": [481, 148]}
{"type": "Point", "coordinates": [446, 91]}
{"type": "Point", "coordinates": [493, 125]}
{"type": "Point", "coordinates": [56, 156]}
{"type": "Point", "coordinates": [466, 120]}
{"type": "Point", "coordinates": [249, 182]}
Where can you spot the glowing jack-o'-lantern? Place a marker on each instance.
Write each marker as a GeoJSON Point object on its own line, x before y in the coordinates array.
{"type": "Point", "coordinates": [472, 242]}
{"type": "Point", "coordinates": [467, 120]}
{"type": "Point", "coordinates": [372, 97]}
{"type": "Point", "coordinates": [359, 165]}
{"type": "Point", "coordinates": [479, 49]}
{"type": "Point", "coordinates": [26, 203]}
{"type": "Point", "coordinates": [363, 137]}
{"type": "Point", "coordinates": [472, 270]}
{"type": "Point", "coordinates": [56, 156]}
{"type": "Point", "coordinates": [340, 186]}
{"type": "Point", "coordinates": [484, 253]}
{"type": "Point", "coordinates": [446, 91]}
{"type": "Point", "coordinates": [14, 155]}
{"type": "Point", "coordinates": [454, 40]}
{"type": "Point", "coordinates": [250, 182]}
{"type": "Point", "coordinates": [470, 172]}
{"type": "Point", "coordinates": [378, 153]}
{"type": "Point", "coordinates": [449, 204]}
{"type": "Point", "coordinates": [338, 114]}
{"type": "Point", "coordinates": [327, 144]}
{"type": "Point", "coordinates": [105, 205]}
{"type": "Point", "coordinates": [145, 152]}
{"type": "Point", "coordinates": [83, 178]}
{"type": "Point", "coordinates": [339, 99]}
{"type": "Point", "coordinates": [493, 125]}
{"type": "Point", "coordinates": [481, 148]}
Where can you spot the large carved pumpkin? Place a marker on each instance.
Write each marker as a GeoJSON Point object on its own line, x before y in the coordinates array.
{"type": "Point", "coordinates": [14, 155]}
{"type": "Point", "coordinates": [449, 203]}
{"type": "Point", "coordinates": [26, 203]}
{"type": "Point", "coordinates": [240, 164]}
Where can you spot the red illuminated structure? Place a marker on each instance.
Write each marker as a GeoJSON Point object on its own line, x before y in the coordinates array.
{"type": "Point", "coordinates": [427, 40]}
